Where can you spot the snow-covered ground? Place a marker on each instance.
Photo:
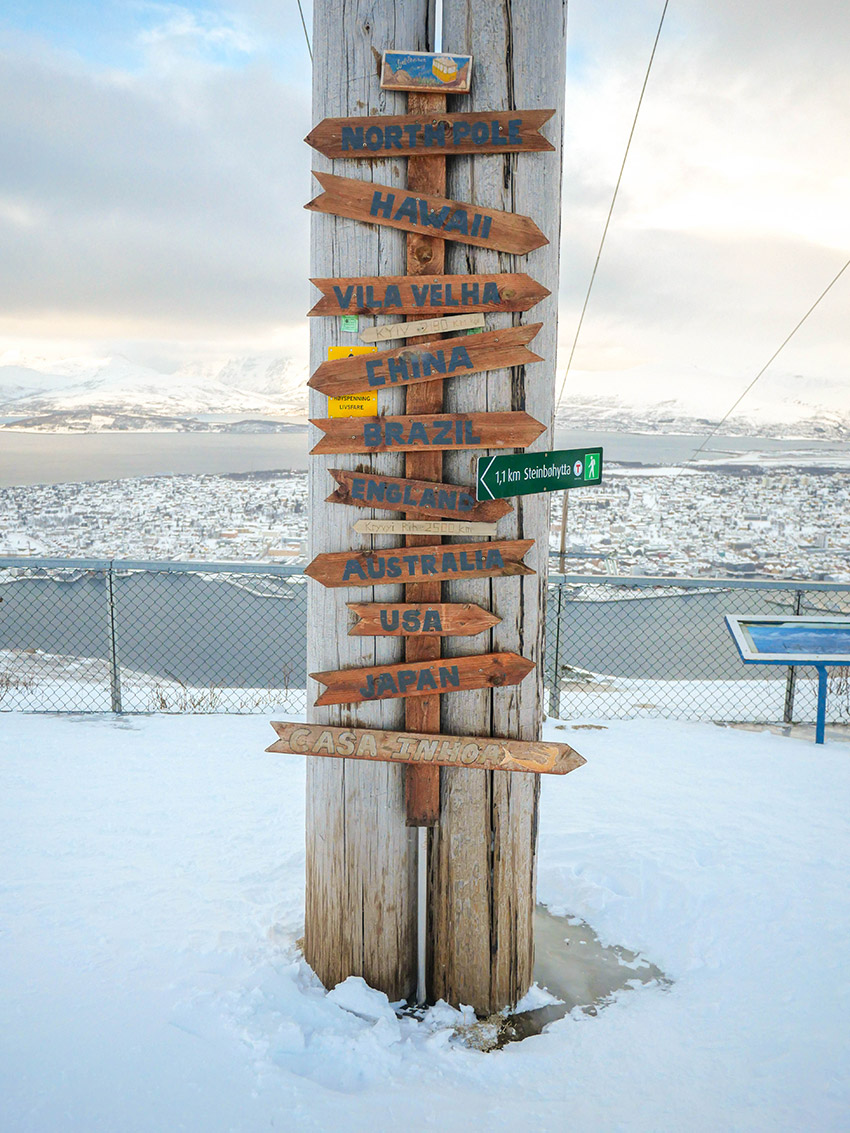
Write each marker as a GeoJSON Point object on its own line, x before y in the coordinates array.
{"type": "Point", "coordinates": [151, 897]}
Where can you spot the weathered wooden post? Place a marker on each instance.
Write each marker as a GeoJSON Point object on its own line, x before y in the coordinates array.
{"type": "Point", "coordinates": [483, 851]}
{"type": "Point", "coordinates": [471, 705]}
{"type": "Point", "coordinates": [361, 855]}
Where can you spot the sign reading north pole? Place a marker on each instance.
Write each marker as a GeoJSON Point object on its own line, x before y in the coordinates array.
{"type": "Point", "coordinates": [531, 473]}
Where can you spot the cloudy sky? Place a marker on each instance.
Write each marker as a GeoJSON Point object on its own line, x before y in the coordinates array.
{"type": "Point", "coordinates": [150, 203]}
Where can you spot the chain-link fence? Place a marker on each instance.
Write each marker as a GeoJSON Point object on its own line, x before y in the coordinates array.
{"type": "Point", "coordinates": [102, 635]}
{"type": "Point", "coordinates": [624, 647]}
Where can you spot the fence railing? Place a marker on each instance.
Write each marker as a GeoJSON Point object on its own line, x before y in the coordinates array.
{"type": "Point", "coordinates": [102, 635]}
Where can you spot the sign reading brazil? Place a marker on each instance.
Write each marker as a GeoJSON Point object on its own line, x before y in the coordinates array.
{"type": "Point", "coordinates": [486, 753]}
{"type": "Point", "coordinates": [430, 432]}
{"type": "Point", "coordinates": [422, 678]}
{"type": "Point", "coordinates": [443, 358]}
{"type": "Point", "coordinates": [489, 131]}
{"type": "Point", "coordinates": [427, 294]}
{"type": "Point", "coordinates": [414, 564]}
{"type": "Point", "coordinates": [414, 497]}
{"type": "Point", "coordinates": [434, 216]}
{"type": "Point", "coordinates": [531, 473]}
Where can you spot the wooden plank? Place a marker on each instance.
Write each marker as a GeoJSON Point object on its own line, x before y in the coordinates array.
{"type": "Point", "coordinates": [487, 753]}
{"type": "Point", "coordinates": [423, 71]}
{"type": "Point", "coordinates": [422, 678]}
{"type": "Point", "coordinates": [427, 295]}
{"type": "Point", "coordinates": [501, 558]}
{"type": "Point", "coordinates": [392, 207]}
{"type": "Point", "coordinates": [423, 328]}
{"type": "Point", "coordinates": [413, 497]}
{"type": "Point", "coordinates": [457, 357]}
{"type": "Point", "coordinates": [423, 527]}
{"type": "Point", "coordinates": [360, 915]}
{"type": "Point", "coordinates": [437, 432]}
{"type": "Point", "coordinates": [482, 874]}
{"type": "Point", "coordinates": [402, 619]}
{"type": "Point", "coordinates": [502, 131]}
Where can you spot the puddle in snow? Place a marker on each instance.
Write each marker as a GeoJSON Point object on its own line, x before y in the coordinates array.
{"type": "Point", "coordinates": [571, 963]}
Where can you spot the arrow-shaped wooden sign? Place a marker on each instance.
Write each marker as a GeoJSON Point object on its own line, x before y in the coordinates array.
{"type": "Point", "coordinates": [429, 215]}
{"type": "Point", "coordinates": [432, 432]}
{"type": "Point", "coordinates": [485, 753]}
{"type": "Point", "coordinates": [446, 324]}
{"type": "Point", "coordinates": [423, 527]}
{"type": "Point", "coordinates": [422, 678]}
{"type": "Point", "coordinates": [404, 619]}
{"type": "Point", "coordinates": [414, 497]}
{"type": "Point", "coordinates": [444, 358]}
{"type": "Point", "coordinates": [487, 131]}
{"type": "Point", "coordinates": [410, 564]}
{"type": "Point", "coordinates": [427, 294]}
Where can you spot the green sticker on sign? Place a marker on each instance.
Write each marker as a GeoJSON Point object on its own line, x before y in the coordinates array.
{"type": "Point", "coordinates": [351, 323]}
{"type": "Point", "coordinates": [528, 474]}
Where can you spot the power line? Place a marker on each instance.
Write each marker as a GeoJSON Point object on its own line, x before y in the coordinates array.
{"type": "Point", "coordinates": [773, 356]}
{"type": "Point", "coordinates": [613, 202]}
{"type": "Point", "coordinates": [304, 26]}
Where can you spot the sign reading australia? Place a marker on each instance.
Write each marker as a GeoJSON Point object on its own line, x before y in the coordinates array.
{"type": "Point", "coordinates": [529, 473]}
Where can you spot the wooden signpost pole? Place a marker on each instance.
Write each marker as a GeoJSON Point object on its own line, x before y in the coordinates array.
{"type": "Point", "coordinates": [425, 256]}
{"type": "Point", "coordinates": [361, 856]}
{"type": "Point", "coordinates": [482, 852]}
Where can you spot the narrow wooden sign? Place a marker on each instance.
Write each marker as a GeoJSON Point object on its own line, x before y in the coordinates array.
{"type": "Point", "coordinates": [404, 619]}
{"type": "Point", "coordinates": [422, 527]}
{"type": "Point", "coordinates": [444, 358]}
{"type": "Point", "coordinates": [421, 678]}
{"type": "Point", "coordinates": [485, 753]}
{"type": "Point", "coordinates": [434, 432]}
{"type": "Point", "coordinates": [427, 294]}
{"type": "Point", "coordinates": [447, 324]}
{"type": "Point", "coordinates": [424, 135]}
{"type": "Point", "coordinates": [409, 564]}
{"type": "Point", "coordinates": [426, 71]}
{"type": "Point", "coordinates": [430, 215]}
{"type": "Point", "coordinates": [414, 497]}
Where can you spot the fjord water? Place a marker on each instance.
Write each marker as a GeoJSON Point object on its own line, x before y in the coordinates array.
{"type": "Point", "coordinates": [61, 458]}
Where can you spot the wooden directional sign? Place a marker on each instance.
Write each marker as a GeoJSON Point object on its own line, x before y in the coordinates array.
{"type": "Point", "coordinates": [530, 473]}
{"type": "Point", "coordinates": [410, 564]}
{"type": "Point", "coordinates": [446, 324]}
{"type": "Point", "coordinates": [485, 753]}
{"type": "Point", "coordinates": [445, 358]}
{"type": "Point", "coordinates": [426, 71]}
{"type": "Point", "coordinates": [422, 527]}
{"type": "Point", "coordinates": [427, 294]}
{"type": "Point", "coordinates": [414, 497]}
{"type": "Point", "coordinates": [428, 215]}
{"type": "Point", "coordinates": [422, 678]}
{"type": "Point", "coordinates": [421, 135]}
{"type": "Point", "coordinates": [434, 432]}
{"type": "Point", "coordinates": [403, 619]}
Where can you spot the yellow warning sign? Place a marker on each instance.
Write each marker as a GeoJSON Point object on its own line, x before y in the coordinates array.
{"type": "Point", "coordinates": [352, 404]}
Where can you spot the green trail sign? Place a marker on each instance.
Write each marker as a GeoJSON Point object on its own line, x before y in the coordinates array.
{"type": "Point", "coordinates": [529, 473]}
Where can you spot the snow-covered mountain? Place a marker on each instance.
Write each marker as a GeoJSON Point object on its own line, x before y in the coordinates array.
{"type": "Point", "coordinates": [116, 387]}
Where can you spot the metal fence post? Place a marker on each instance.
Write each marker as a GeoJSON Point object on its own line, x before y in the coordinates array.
{"type": "Point", "coordinates": [555, 682]}
{"type": "Point", "coordinates": [114, 671]}
{"type": "Point", "coordinates": [791, 679]}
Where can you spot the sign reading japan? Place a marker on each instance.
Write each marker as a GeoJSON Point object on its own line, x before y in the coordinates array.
{"type": "Point", "coordinates": [530, 473]}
